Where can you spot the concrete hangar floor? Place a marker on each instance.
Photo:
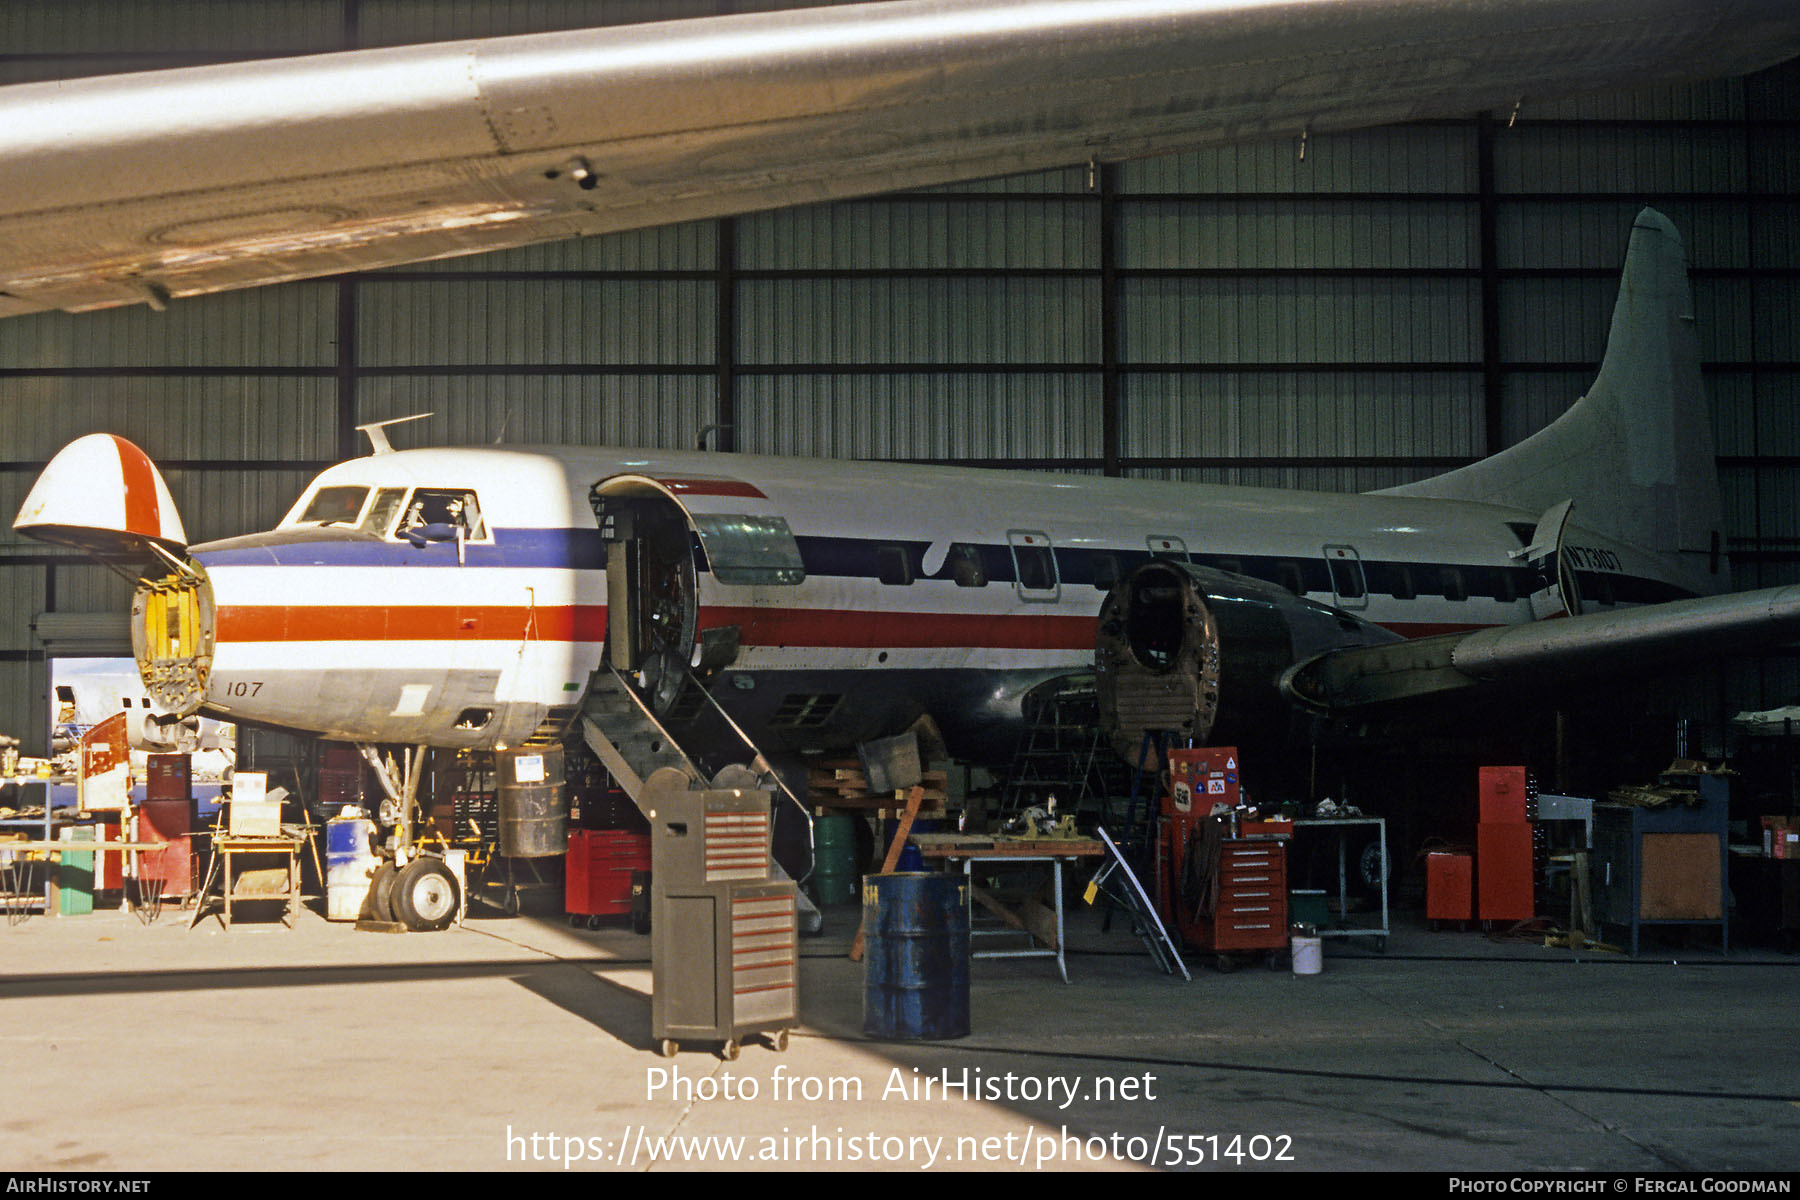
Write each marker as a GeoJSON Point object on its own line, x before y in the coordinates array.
{"type": "Point", "coordinates": [522, 1043]}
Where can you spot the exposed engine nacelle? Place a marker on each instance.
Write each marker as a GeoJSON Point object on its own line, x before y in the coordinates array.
{"type": "Point", "coordinates": [1200, 653]}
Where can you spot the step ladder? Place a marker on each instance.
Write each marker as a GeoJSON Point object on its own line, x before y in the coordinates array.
{"type": "Point", "coordinates": [1116, 882]}
{"type": "Point", "coordinates": [1062, 752]}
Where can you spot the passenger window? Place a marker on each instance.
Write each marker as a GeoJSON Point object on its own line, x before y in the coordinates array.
{"type": "Point", "coordinates": [446, 506]}
{"type": "Point", "coordinates": [334, 506]}
{"type": "Point", "coordinates": [1450, 583]}
{"type": "Point", "coordinates": [1346, 573]}
{"type": "Point", "coordinates": [1106, 571]}
{"type": "Point", "coordinates": [1403, 588]}
{"type": "Point", "coordinates": [891, 566]}
{"type": "Point", "coordinates": [1034, 565]}
{"type": "Point", "coordinates": [965, 566]}
{"type": "Point", "coordinates": [1288, 575]}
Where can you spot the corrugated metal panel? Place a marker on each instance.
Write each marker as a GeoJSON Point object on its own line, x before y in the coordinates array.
{"type": "Point", "coordinates": [1555, 320]}
{"type": "Point", "coordinates": [917, 235]}
{"type": "Point", "coordinates": [1305, 319]}
{"type": "Point", "coordinates": [218, 504]}
{"type": "Point", "coordinates": [392, 22]}
{"type": "Point", "coordinates": [1774, 324]}
{"type": "Point", "coordinates": [25, 704]}
{"type": "Point", "coordinates": [1777, 397]}
{"type": "Point", "coordinates": [21, 597]}
{"type": "Point", "coordinates": [1712, 100]}
{"type": "Point", "coordinates": [291, 325]}
{"type": "Point", "coordinates": [944, 320]}
{"type": "Point", "coordinates": [1592, 235]}
{"type": "Point", "coordinates": [192, 26]}
{"type": "Point", "coordinates": [1311, 235]}
{"type": "Point", "coordinates": [1306, 479]}
{"type": "Point", "coordinates": [688, 247]}
{"type": "Point", "coordinates": [1384, 414]}
{"type": "Point", "coordinates": [1775, 236]}
{"type": "Point", "coordinates": [1071, 180]}
{"type": "Point", "coordinates": [545, 321]}
{"type": "Point", "coordinates": [229, 417]}
{"type": "Point", "coordinates": [84, 587]}
{"type": "Point", "coordinates": [1733, 404]}
{"type": "Point", "coordinates": [666, 412]}
{"type": "Point", "coordinates": [921, 416]}
{"type": "Point", "coordinates": [1634, 160]}
{"type": "Point", "coordinates": [1528, 402]}
{"type": "Point", "coordinates": [1417, 158]}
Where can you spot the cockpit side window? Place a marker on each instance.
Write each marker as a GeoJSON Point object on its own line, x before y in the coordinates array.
{"type": "Point", "coordinates": [381, 514]}
{"type": "Point", "coordinates": [334, 506]}
{"type": "Point", "coordinates": [445, 506]}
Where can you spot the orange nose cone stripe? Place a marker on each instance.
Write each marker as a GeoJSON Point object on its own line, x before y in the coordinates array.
{"type": "Point", "coordinates": [143, 516]}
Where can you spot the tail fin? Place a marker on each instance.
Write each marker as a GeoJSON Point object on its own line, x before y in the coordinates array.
{"type": "Point", "coordinates": [1635, 453]}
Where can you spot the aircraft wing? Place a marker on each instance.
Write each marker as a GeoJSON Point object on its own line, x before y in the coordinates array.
{"type": "Point", "coordinates": [1625, 641]}
{"type": "Point", "coordinates": [137, 188]}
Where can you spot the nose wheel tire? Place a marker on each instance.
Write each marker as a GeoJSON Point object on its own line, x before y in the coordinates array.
{"type": "Point", "coordinates": [380, 904]}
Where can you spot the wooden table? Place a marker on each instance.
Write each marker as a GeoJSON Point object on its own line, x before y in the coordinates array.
{"type": "Point", "coordinates": [228, 847]}
{"type": "Point", "coordinates": [1045, 924]}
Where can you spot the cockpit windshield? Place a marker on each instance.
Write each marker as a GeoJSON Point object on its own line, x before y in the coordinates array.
{"type": "Point", "coordinates": [334, 506]}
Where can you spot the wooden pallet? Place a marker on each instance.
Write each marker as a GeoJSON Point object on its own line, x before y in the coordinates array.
{"type": "Point", "coordinates": [843, 784]}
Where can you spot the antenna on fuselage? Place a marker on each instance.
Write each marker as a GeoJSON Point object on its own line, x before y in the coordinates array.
{"type": "Point", "coordinates": [377, 431]}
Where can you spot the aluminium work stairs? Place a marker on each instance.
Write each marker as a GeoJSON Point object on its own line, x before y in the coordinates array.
{"type": "Point", "coordinates": [633, 745]}
{"type": "Point", "coordinates": [620, 728]}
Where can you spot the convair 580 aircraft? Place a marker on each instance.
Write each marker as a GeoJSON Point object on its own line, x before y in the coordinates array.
{"type": "Point", "coordinates": [471, 597]}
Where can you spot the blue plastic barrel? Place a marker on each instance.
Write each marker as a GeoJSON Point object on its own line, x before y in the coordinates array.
{"type": "Point", "coordinates": [916, 955]}
{"type": "Point", "coordinates": [349, 863]}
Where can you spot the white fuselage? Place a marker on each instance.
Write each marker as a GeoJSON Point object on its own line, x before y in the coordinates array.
{"type": "Point", "coordinates": [914, 575]}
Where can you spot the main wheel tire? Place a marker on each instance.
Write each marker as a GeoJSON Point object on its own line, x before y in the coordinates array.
{"type": "Point", "coordinates": [380, 904]}
{"type": "Point", "coordinates": [425, 895]}
{"type": "Point", "coordinates": [1369, 869]}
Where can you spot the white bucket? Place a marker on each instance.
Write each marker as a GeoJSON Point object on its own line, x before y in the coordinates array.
{"type": "Point", "coordinates": [1308, 955]}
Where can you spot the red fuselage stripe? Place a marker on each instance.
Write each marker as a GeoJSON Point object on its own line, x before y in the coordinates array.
{"type": "Point", "coordinates": [800, 627]}
{"type": "Point", "coordinates": [587, 623]}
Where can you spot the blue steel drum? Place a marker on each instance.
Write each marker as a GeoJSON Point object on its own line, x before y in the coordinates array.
{"type": "Point", "coordinates": [916, 955]}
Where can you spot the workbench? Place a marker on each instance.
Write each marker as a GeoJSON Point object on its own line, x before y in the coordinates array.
{"type": "Point", "coordinates": [1029, 917]}
{"type": "Point", "coordinates": [1343, 826]}
{"type": "Point", "coordinates": [14, 868]}
{"type": "Point", "coordinates": [225, 868]}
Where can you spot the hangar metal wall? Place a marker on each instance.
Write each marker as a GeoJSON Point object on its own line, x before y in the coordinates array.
{"type": "Point", "coordinates": [1352, 313]}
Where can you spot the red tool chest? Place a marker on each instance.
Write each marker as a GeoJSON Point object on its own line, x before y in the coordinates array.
{"type": "Point", "coordinates": [1449, 887]}
{"type": "Point", "coordinates": [1252, 909]}
{"type": "Point", "coordinates": [600, 863]}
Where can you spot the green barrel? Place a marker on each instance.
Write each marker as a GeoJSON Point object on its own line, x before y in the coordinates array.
{"type": "Point", "coordinates": [834, 859]}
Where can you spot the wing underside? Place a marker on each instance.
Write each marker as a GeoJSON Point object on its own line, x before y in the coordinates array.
{"type": "Point", "coordinates": [1625, 642]}
{"type": "Point", "coordinates": [139, 188]}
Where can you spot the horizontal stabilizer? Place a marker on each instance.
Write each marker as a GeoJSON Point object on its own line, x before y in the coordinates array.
{"type": "Point", "coordinates": [103, 495]}
{"type": "Point", "coordinates": [1632, 640]}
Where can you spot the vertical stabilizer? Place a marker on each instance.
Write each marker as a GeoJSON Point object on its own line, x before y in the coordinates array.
{"type": "Point", "coordinates": [1636, 453]}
